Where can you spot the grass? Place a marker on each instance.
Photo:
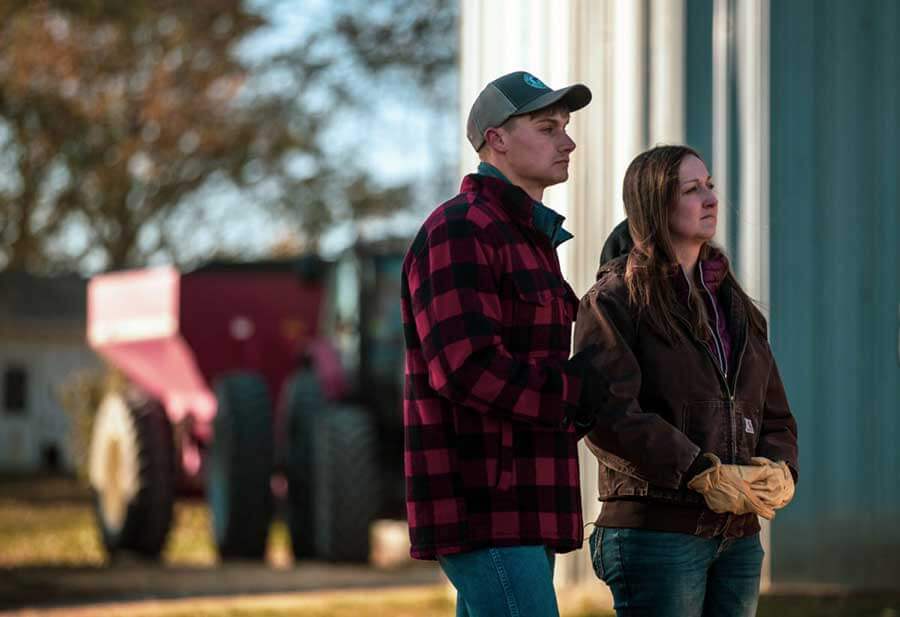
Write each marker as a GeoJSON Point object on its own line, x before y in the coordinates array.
{"type": "Point", "coordinates": [47, 534]}
{"type": "Point", "coordinates": [436, 602]}
{"type": "Point", "coordinates": [49, 522]}
{"type": "Point", "coordinates": [388, 604]}
{"type": "Point", "coordinates": [427, 602]}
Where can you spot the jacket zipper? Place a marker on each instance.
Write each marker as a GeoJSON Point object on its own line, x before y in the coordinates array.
{"type": "Point", "coordinates": [723, 364]}
{"type": "Point", "coordinates": [720, 346]}
{"type": "Point", "coordinates": [723, 379]}
{"type": "Point", "coordinates": [715, 361]}
{"type": "Point", "coordinates": [737, 373]}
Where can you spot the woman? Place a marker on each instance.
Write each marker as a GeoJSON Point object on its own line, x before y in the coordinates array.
{"type": "Point", "coordinates": [694, 436]}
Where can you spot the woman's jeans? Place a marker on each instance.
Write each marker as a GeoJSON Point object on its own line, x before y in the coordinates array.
{"type": "Point", "coordinates": [503, 582]}
{"type": "Point", "coordinates": [677, 575]}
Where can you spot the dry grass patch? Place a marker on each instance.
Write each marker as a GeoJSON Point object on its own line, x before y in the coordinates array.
{"type": "Point", "coordinates": [50, 522]}
{"type": "Point", "coordinates": [419, 602]}
{"type": "Point", "coordinates": [48, 534]}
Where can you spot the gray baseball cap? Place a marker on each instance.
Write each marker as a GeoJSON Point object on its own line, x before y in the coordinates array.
{"type": "Point", "coordinates": [516, 94]}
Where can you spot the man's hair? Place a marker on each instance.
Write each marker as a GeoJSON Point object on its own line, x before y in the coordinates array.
{"type": "Point", "coordinates": [551, 110]}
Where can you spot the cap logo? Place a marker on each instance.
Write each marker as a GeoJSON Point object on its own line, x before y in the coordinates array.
{"type": "Point", "coordinates": [534, 82]}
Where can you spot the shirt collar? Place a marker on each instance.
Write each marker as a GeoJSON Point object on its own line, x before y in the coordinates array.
{"type": "Point", "coordinates": [546, 220]}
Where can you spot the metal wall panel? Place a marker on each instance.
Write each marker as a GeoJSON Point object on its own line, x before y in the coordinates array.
{"type": "Point", "coordinates": [832, 203]}
{"type": "Point", "coordinates": [630, 55]}
{"type": "Point", "coordinates": [551, 40]}
{"type": "Point", "coordinates": [698, 75]}
{"type": "Point", "coordinates": [835, 284]}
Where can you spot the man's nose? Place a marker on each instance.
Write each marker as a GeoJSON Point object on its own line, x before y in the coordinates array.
{"type": "Point", "coordinates": [568, 144]}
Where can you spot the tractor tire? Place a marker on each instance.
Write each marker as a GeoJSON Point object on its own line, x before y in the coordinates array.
{"type": "Point", "coordinates": [239, 468]}
{"type": "Point", "coordinates": [304, 404]}
{"type": "Point", "coordinates": [347, 485]}
{"type": "Point", "coordinates": [132, 473]}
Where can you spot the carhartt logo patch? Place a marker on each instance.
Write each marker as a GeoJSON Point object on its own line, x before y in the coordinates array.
{"type": "Point", "coordinates": [748, 425]}
{"type": "Point", "coordinates": [534, 82]}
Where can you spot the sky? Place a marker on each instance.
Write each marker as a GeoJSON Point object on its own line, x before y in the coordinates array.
{"type": "Point", "coordinates": [400, 140]}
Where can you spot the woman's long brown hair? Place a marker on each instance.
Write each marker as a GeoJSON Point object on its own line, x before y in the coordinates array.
{"type": "Point", "coordinates": [650, 190]}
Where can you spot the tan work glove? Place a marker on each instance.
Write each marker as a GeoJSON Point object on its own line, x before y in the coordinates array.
{"type": "Point", "coordinates": [727, 488]}
{"type": "Point", "coordinates": [775, 488]}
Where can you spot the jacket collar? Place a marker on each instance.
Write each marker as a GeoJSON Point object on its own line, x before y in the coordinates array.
{"type": "Point", "coordinates": [713, 271]}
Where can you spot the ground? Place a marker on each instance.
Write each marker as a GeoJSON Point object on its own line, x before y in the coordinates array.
{"type": "Point", "coordinates": [52, 564]}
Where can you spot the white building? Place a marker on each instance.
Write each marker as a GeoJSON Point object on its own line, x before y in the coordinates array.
{"type": "Point", "coordinates": [42, 326]}
{"type": "Point", "coordinates": [795, 105]}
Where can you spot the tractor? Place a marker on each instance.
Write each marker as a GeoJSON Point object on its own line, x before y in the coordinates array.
{"type": "Point", "coordinates": [258, 385]}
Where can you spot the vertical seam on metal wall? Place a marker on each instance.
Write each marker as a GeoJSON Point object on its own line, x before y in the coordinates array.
{"type": "Point", "coordinates": [720, 110]}
{"type": "Point", "coordinates": [648, 62]}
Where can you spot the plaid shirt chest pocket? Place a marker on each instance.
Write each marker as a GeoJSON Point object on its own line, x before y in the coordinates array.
{"type": "Point", "coordinates": [538, 313]}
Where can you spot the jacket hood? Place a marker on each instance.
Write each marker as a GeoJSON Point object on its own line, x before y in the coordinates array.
{"type": "Point", "coordinates": [617, 244]}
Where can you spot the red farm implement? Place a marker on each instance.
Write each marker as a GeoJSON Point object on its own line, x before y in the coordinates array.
{"type": "Point", "coordinates": [242, 376]}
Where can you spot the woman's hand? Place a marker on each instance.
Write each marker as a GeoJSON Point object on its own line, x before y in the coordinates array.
{"type": "Point", "coordinates": [775, 488]}
{"type": "Point", "coordinates": [729, 488]}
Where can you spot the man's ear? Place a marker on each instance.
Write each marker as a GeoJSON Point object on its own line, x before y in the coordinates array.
{"type": "Point", "coordinates": [495, 139]}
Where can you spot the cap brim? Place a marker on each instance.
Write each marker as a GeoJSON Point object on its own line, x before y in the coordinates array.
{"type": "Point", "coordinates": [575, 97]}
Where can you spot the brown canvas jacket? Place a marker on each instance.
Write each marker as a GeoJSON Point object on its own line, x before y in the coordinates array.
{"type": "Point", "coordinates": [665, 404]}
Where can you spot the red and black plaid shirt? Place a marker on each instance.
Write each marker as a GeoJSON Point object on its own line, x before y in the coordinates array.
{"type": "Point", "coordinates": [487, 318]}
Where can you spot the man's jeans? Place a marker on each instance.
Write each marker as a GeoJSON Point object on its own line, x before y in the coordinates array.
{"type": "Point", "coordinates": [503, 582]}
{"type": "Point", "coordinates": [677, 575]}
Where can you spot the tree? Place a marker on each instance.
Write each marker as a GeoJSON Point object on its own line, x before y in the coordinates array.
{"type": "Point", "coordinates": [114, 116]}
{"type": "Point", "coordinates": [419, 39]}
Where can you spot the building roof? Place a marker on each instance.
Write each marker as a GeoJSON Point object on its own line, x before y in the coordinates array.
{"type": "Point", "coordinates": [55, 302]}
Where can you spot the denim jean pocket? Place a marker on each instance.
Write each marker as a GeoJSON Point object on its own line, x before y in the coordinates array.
{"type": "Point", "coordinates": [595, 543]}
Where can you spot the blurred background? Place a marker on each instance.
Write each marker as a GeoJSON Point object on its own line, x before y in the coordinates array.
{"type": "Point", "coordinates": [203, 210]}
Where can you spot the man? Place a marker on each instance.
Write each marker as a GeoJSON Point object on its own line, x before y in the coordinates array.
{"type": "Point", "coordinates": [492, 410]}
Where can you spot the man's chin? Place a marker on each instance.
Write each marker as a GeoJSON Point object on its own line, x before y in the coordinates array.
{"type": "Point", "coordinates": [557, 178]}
